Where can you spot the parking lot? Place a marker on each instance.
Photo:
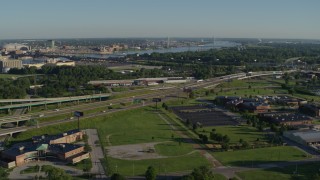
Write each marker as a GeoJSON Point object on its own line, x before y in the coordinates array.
{"type": "Point", "coordinates": [204, 115]}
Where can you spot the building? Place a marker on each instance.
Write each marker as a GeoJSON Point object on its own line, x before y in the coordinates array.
{"type": "Point", "coordinates": [310, 109]}
{"type": "Point", "coordinates": [308, 137]}
{"type": "Point", "coordinates": [51, 43]}
{"type": "Point", "coordinates": [253, 107]}
{"type": "Point", "coordinates": [112, 82]}
{"type": "Point", "coordinates": [67, 137]}
{"type": "Point", "coordinates": [12, 47]}
{"type": "Point", "coordinates": [65, 63]}
{"type": "Point", "coordinates": [47, 146]}
{"type": "Point", "coordinates": [6, 65]}
{"type": "Point", "coordinates": [287, 119]}
{"type": "Point", "coordinates": [290, 101]}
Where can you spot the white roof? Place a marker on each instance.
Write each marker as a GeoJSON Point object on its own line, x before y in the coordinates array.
{"type": "Point", "coordinates": [308, 136]}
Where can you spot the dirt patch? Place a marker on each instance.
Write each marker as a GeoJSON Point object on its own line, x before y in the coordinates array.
{"type": "Point", "coordinates": [135, 151]}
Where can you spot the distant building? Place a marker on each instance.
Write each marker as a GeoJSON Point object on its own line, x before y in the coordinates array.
{"type": "Point", "coordinates": [12, 47]}
{"type": "Point", "coordinates": [290, 101]}
{"type": "Point", "coordinates": [254, 107]}
{"type": "Point", "coordinates": [112, 82]}
{"type": "Point", "coordinates": [287, 119]}
{"type": "Point", "coordinates": [310, 109]}
{"type": "Point", "coordinates": [10, 63]}
{"type": "Point", "coordinates": [52, 44]}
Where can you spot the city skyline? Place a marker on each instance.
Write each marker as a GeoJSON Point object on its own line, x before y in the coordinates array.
{"type": "Point", "coordinates": [125, 19]}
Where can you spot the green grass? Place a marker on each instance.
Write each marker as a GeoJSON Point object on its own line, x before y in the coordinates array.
{"type": "Point", "coordinates": [9, 75]}
{"type": "Point", "coordinates": [173, 148]}
{"type": "Point", "coordinates": [182, 102]}
{"type": "Point", "coordinates": [31, 169]}
{"type": "Point", "coordinates": [174, 164]}
{"type": "Point", "coordinates": [235, 133]}
{"type": "Point", "coordinates": [219, 177]}
{"type": "Point", "coordinates": [126, 127]}
{"type": "Point", "coordinates": [305, 172]}
{"type": "Point", "coordinates": [260, 156]}
{"type": "Point", "coordinates": [131, 127]}
{"type": "Point", "coordinates": [252, 91]}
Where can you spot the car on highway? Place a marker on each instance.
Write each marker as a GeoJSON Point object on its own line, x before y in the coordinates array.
{"type": "Point", "coordinates": [57, 110]}
{"type": "Point", "coordinates": [40, 115]}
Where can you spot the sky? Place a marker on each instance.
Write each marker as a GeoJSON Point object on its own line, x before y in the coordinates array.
{"type": "Point", "coordinates": [36, 19]}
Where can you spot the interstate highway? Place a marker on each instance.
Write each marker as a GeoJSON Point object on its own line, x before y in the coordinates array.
{"type": "Point", "coordinates": [157, 93]}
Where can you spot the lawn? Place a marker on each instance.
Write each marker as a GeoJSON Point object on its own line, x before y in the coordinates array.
{"type": "Point", "coordinates": [252, 157]}
{"type": "Point", "coordinates": [126, 127]}
{"type": "Point", "coordinates": [173, 148]}
{"type": "Point", "coordinates": [305, 172]}
{"type": "Point", "coordinates": [235, 133]}
{"type": "Point", "coordinates": [253, 92]}
{"type": "Point", "coordinates": [164, 165]}
{"type": "Point", "coordinates": [9, 76]}
{"type": "Point", "coordinates": [31, 169]}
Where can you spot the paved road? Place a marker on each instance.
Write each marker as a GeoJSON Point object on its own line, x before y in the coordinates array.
{"type": "Point", "coordinates": [96, 154]}
{"type": "Point", "coordinates": [15, 173]}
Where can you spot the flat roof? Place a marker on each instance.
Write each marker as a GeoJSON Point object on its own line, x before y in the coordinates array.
{"type": "Point", "coordinates": [308, 135]}
{"type": "Point", "coordinates": [110, 81]}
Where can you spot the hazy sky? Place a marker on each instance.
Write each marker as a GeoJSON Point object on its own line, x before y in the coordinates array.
{"type": "Point", "coordinates": [159, 18]}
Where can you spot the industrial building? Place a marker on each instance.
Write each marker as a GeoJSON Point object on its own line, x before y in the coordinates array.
{"type": "Point", "coordinates": [287, 119]}
{"type": "Point", "coordinates": [112, 82]}
{"type": "Point", "coordinates": [47, 146]}
{"type": "Point", "coordinates": [310, 109]}
{"type": "Point", "coordinates": [308, 137]}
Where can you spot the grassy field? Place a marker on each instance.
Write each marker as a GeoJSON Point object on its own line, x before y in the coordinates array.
{"type": "Point", "coordinates": [126, 127]}
{"type": "Point", "coordinates": [235, 133]}
{"type": "Point", "coordinates": [252, 157]}
{"type": "Point", "coordinates": [9, 76]}
{"type": "Point", "coordinates": [130, 127]}
{"type": "Point", "coordinates": [164, 165]}
{"type": "Point", "coordinates": [173, 148]}
{"type": "Point", "coordinates": [252, 91]}
{"type": "Point", "coordinates": [305, 172]}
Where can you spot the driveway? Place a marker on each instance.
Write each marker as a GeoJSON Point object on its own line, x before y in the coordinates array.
{"type": "Point", "coordinates": [96, 154]}
{"type": "Point", "coordinates": [15, 173]}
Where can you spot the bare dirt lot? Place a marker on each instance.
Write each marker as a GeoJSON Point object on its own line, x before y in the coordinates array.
{"type": "Point", "coordinates": [134, 151]}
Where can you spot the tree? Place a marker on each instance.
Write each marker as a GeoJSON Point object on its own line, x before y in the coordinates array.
{"type": "Point", "coordinates": [117, 176]}
{"type": "Point", "coordinates": [151, 173]}
{"type": "Point", "coordinates": [191, 95]}
{"type": "Point", "coordinates": [202, 173]}
{"type": "Point", "coordinates": [194, 126]}
{"type": "Point", "coordinates": [3, 173]}
{"type": "Point", "coordinates": [245, 144]}
{"type": "Point", "coordinates": [57, 174]}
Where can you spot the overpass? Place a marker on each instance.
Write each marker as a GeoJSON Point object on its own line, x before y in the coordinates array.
{"type": "Point", "coordinates": [46, 101]}
{"type": "Point", "coordinates": [205, 83]}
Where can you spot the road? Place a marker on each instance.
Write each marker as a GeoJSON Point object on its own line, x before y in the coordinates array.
{"type": "Point", "coordinates": [96, 154]}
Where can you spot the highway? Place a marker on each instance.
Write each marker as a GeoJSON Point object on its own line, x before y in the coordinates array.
{"type": "Point", "coordinates": [163, 93]}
